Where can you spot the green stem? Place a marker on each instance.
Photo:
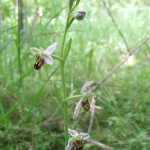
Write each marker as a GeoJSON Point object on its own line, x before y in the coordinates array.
{"type": "Point", "coordinates": [62, 64]}
{"type": "Point", "coordinates": [70, 22]}
{"type": "Point", "coordinates": [64, 38]}
{"type": "Point", "coordinates": [72, 98]}
{"type": "Point", "coordinates": [65, 105]}
{"type": "Point", "coordinates": [73, 8]}
{"type": "Point", "coordinates": [78, 96]}
{"type": "Point", "coordinates": [63, 84]}
{"type": "Point", "coordinates": [58, 58]}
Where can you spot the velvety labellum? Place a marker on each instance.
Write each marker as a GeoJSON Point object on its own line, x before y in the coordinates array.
{"type": "Point", "coordinates": [39, 62]}
{"type": "Point", "coordinates": [85, 104]}
{"type": "Point", "coordinates": [78, 144]}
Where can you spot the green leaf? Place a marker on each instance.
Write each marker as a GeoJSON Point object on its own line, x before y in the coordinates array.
{"type": "Point", "coordinates": [5, 30]}
{"type": "Point", "coordinates": [67, 49]}
{"type": "Point", "coordinates": [77, 97]}
{"type": "Point", "coordinates": [58, 58]}
{"type": "Point", "coordinates": [58, 94]}
{"type": "Point", "coordinates": [72, 98]}
{"type": "Point", "coordinates": [70, 4]}
{"type": "Point", "coordinates": [78, 1]}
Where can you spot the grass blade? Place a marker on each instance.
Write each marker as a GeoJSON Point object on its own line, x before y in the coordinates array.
{"type": "Point", "coordinates": [5, 45]}
{"type": "Point", "coordinates": [37, 96]}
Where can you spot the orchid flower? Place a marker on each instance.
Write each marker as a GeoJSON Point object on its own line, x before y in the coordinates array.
{"type": "Point", "coordinates": [76, 140]}
{"type": "Point", "coordinates": [84, 101]}
{"type": "Point", "coordinates": [44, 56]}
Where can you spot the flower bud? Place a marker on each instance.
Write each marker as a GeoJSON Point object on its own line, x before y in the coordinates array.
{"type": "Point", "coordinates": [79, 14]}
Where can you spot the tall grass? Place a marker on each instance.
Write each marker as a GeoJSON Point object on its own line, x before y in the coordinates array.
{"type": "Point", "coordinates": [30, 118]}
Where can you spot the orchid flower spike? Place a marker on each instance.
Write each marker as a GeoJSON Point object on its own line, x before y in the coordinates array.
{"type": "Point", "coordinates": [44, 56]}
{"type": "Point", "coordinates": [76, 140]}
{"type": "Point", "coordinates": [85, 100]}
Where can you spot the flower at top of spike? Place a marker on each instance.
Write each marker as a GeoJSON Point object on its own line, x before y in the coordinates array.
{"type": "Point", "coordinates": [79, 14]}
{"type": "Point", "coordinates": [44, 56]}
{"type": "Point", "coordinates": [85, 100]}
{"type": "Point", "coordinates": [76, 140]}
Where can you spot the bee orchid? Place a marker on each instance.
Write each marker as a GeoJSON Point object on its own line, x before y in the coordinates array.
{"type": "Point", "coordinates": [76, 140]}
{"type": "Point", "coordinates": [85, 100]}
{"type": "Point", "coordinates": [44, 56]}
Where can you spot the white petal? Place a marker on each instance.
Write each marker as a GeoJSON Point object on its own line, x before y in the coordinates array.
{"type": "Point", "coordinates": [96, 107]}
{"type": "Point", "coordinates": [93, 106]}
{"type": "Point", "coordinates": [72, 132]}
{"type": "Point", "coordinates": [85, 135]}
{"type": "Point", "coordinates": [51, 48]}
{"type": "Point", "coordinates": [70, 144]}
{"type": "Point", "coordinates": [48, 58]}
{"type": "Point", "coordinates": [80, 10]}
{"type": "Point", "coordinates": [77, 109]}
{"type": "Point", "coordinates": [84, 87]}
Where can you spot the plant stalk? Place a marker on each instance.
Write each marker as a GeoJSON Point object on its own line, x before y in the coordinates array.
{"type": "Point", "coordinates": [62, 64]}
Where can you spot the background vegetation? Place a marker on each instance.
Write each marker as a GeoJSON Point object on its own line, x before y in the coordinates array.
{"type": "Point", "coordinates": [31, 116]}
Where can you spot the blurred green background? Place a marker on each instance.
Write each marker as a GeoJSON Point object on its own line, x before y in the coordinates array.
{"type": "Point", "coordinates": [31, 118]}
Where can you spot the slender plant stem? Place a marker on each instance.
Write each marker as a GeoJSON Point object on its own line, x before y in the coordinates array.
{"type": "Point", "coordinates": [122, 62]}
{"type": "Point", "coordinates": [20, 27]}
{"type": "Point", "coordinates": [63, 84]}
{"type": "Point", "coordinates": [62, 64]}
{"type": "Point", "coordinates": [65, 105]}
{"type": "Point", "coordinates": [64, 38]}
{"type": "Point", "coordinates": [58, 58]}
